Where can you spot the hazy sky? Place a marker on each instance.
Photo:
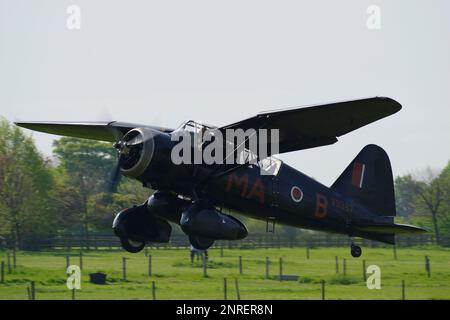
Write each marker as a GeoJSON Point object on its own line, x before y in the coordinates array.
{"type": "Point", "coordinates": [162, 62]}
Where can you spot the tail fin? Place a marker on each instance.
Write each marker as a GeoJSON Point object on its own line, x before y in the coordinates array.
{"type": "Point", "coordinates": [368, 179]}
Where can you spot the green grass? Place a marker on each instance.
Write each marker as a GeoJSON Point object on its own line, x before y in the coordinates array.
{"type": "Point", "coordinates": [176, 278]}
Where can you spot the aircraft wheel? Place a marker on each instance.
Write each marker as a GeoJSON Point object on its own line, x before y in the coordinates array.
{"type": "Point", "coordinates": [356, 251]}
{"type": "Point", "coordinates": [131, 246]}
{"type": "Point", "coordinates": [200, 243]}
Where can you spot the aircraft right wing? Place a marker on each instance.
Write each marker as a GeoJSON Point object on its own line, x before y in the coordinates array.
{"type": "Point", "coordinates": [320, 125]}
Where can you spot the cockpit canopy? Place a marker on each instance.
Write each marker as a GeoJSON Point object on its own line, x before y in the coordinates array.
{"type": "Point", "coordinates": [195, 126]}
{"type": "Point", "coordinates": [269, 165]}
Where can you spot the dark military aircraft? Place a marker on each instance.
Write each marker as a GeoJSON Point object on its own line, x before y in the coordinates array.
{"type": "Point", "coordinates": [360, 203]}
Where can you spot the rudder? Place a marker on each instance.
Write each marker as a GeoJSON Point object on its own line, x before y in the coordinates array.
{"type": "Point", "coordinates": [368, 179]}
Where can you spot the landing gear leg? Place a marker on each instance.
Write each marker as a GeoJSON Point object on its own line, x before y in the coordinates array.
{"type": "Point", "coordinates": [355, 250]}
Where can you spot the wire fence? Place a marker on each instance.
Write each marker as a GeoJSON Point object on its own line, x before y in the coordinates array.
{"type": "Point", "coordinates": [253, 241]}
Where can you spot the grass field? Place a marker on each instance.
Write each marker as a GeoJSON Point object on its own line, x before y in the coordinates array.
{"type": "Point", "coordinates": [176, 278]}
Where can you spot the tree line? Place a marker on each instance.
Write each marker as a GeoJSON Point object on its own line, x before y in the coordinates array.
{"type": "Point", "coordinates": [42, 198]}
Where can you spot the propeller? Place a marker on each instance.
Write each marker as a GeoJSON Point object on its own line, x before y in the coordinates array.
{"type": "Point", "coordinates": [122, 149]}
{"type": "Point", "coordinates": [129, 148]}
{"type": "Point", "coordinates": [115, 178]}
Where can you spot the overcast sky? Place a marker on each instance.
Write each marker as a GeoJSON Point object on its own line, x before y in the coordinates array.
{"type": "Point", "coordinates": [162, 62]}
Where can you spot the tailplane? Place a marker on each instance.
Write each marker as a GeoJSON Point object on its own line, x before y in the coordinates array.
{"type": "Point", "coordinates": [386, 232]}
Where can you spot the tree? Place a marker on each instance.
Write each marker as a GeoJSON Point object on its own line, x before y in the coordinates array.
{"type": "Point", "coordinates": [430, 199]}
{"type": "Point", "coordinates": [102, 207]}
{"type": "Point", "coordinates": [86, 165]}
{"type": "Point", "coordinates": [444, 214]}
{"type": "Point", "coordinates": [25, 181]}
{"type": "Point", "coordinates": [406, 189]}
{"type": "Point", "coordinates": [67, 204]}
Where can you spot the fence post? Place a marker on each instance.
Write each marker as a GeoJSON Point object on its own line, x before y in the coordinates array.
{"type": "Point", "coordinates": [205, 274]}
{"type": "Point", "coordinates": [2, 280]}
{"type": "Point", "coordinates": [69, 243]}
{"type": "Point", "coordinates": [267, 267]}
{"type": "Point", "coordinates": [124, 269]}
{"type": "Point", "coordinates": [395, 252]}
{"type": "Point", "coordinates": [81, 260]}
{"type": "Point", "coordinates": [403, 290]}
{"type": "Point", "coordinates": [323, 289]}
{"type": "Point", "coordinates": [67, 262]}
{"type": "Point", "coordinates": [345, 267]}
{"type": "Point", "coordinates": [28, 293]}
{"type": "Point", "coordinates": [337, 264]}
{"type": "Point", "coordinates": [364, 270]}
{"type": "Point", "coordinates": [240, 264]}
{"type": "Point", "coordinates": [33, 292]}
{"type": "Point", "coordinates": [281, 268]}
{"type": "Point", "coordinates": [225, 288]}
{"type": "Point", "coordinates": [238, 293]}
{"type": "Point", "coordinates": [221, 250]}
{"type": "Point", "coordinates": [150, 265]}
{"type": "Point", "coordinates": [9, 262]}
{"type": "Point", "coordinates": [14, 258]}
{"type": "Point", "coordinates": [95, 242]}
{"type": "Point", "coordinates": [153, 290]}
{"type": "Point", "coordinates": [427, 266]}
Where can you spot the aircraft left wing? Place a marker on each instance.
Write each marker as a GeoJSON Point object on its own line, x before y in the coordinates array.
{"type": "Point", "coordinates": [103, 131]}
{"type": "Point", "coordinates": [320, 125]}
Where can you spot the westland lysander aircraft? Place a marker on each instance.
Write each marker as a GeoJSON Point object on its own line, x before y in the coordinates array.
{"type": "Point", "coordinates": [360, 203]}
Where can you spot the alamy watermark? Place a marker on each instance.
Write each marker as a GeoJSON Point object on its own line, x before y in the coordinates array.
{"type": "Point", "coordinates": [73, 21]}
{"type": "Point", "coordinates": [74, 277]}
{"type": "Point", "coordinates": [374, 280]}
{"type": "Point", "coordinates": [210, 147]}
{"type": "Point", "coordinates": [374, 19]}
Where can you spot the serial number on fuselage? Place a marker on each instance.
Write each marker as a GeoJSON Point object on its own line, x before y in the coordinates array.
{"type": "Point", "coordinates": [343, 205]}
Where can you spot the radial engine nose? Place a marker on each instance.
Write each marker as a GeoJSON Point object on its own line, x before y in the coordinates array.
{"type": "Point", "coordinates": [136, 151]}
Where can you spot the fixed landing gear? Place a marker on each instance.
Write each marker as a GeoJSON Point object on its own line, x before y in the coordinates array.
{"type": "Point", "coordinates": [131, 246]}
{"type": "Point", "coordinates": [355, 250]}
{"type": "Point", "coordinates": [200, 243]}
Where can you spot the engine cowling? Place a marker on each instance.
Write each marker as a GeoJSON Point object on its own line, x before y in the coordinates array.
{"type": "Point", "coordinates": [145, 155]}
{"type": "Point", "coordinates": [210, 223]}
{"type": "Point", "coordinates": [137, 149]}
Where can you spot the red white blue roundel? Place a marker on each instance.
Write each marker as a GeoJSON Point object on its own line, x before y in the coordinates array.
{"type": "Point", "coordinates": [296, 194]}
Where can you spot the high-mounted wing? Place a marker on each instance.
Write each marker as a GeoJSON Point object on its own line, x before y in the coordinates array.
{"type": "Point", "coordinates": [103, 131]}
{"type": "Point", "coordinates": [314, 126]}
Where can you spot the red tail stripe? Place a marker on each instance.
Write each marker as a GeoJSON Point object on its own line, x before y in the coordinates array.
{"type": "Point", "coordinates": [357, 173]}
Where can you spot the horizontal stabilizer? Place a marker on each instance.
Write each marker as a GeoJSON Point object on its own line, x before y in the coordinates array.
{"type": "Point", "coordinates": [390, 229]}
